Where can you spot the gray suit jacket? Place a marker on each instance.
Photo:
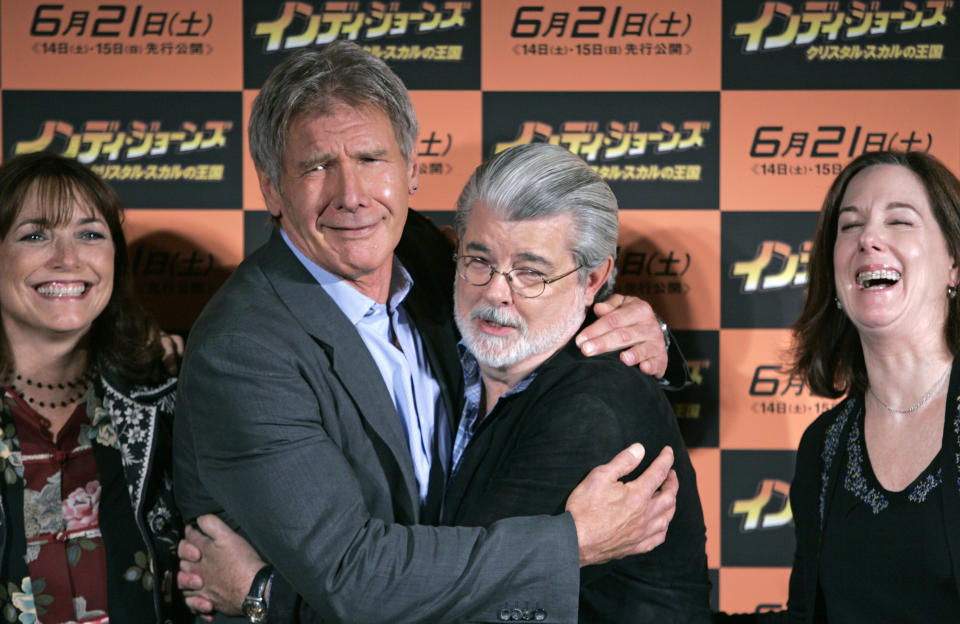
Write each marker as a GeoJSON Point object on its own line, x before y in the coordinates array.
{"type": "Point", "coordinates": [285, 428]}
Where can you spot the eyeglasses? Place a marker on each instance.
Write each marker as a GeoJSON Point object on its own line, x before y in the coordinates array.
{"type": "Point", "coordinates": [524, 282]}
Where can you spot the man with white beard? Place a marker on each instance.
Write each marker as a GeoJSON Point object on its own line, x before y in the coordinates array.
{"type": "Point", "coordinates": [538, 235]}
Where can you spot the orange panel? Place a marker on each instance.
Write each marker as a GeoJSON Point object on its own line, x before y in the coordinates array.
{"type": "Point", "coordinates": [140, 45]}
{"type": "Point", "coordinates": [449, 146]}
{"type": "Point", "coordinates": [607, 45]}
{"type": "Point", "coordinates": [252, 197]}
{"type": "Point", "coordinates": [801, 139]}
{"type": "Point", "coordinates": [671, 258]}
{"type": "Point", "coordinates": [761, 406]}
{"type": "Point", "coordinates": [747, 590]}
{"type": "Point", "coordinates": [179, 258]}
{"type": "Point", "coordinates": [706, 462]}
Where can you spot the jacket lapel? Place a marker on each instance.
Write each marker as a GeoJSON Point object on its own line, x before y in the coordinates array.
{"type": "Point", "coordinates": [135, 425]}
{"type": "Point", "coordinates": [434, 322]}
{"type": "Point", "coordinates": [431, 314]}
{"type": "Point", "coordinates": [350, 361]}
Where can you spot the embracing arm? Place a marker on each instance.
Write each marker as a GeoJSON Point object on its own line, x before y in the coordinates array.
{"type": "Point", "coordinates": [535, 467]}
{"type": "Point", "coordinates": [630, 323]}
{"type": "Point", "coordinates": [539, 466]}
{"type": "Point", "coordinates": [265, 455]}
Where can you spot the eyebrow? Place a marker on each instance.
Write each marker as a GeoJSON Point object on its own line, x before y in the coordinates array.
{"type": "Point", "coordinates": [33, 221]}
{"type": "Point", "coordinates": [523, 256]}
{"type": "Point", "coordinates": [369, 153]}
{"type": "Point", "coordinates": [46, 222]}
{"type": "Point", "coordinates": [899, 204]}
{"type": "Point", "coordinates": [477, 247]}
{"type": "Point", "coordinates": [319, 159]}
{"type": "Point", "coordinates": [528, 256]}
{"type": "Point", "coordinates": [891, 206]}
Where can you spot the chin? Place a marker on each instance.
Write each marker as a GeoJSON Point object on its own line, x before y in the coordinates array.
{"type": "Point", "coordinates": [70, 325]}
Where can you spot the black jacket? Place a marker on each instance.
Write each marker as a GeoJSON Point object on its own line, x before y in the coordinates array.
{"type": "Point", "coordinates": [529, 453]}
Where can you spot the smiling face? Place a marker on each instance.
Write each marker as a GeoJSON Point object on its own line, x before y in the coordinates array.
{"type": "Point", "coordinates": [502, 329]}
{"type": "Point", "coordinates": [56, 279]}
{"type": "Point", "coordinates": [343, 192]}
{"type": "Point", "coordinates": [891, 263]}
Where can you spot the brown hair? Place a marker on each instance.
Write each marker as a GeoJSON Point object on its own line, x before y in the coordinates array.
{"type": "Point", "coordinates": [123, 338]}
{"type": "Point", "coordinates": [827, 350]}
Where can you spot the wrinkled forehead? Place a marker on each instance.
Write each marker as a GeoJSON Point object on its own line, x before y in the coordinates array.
{"type": "Point", "coordinates": [545, 238]}
{"type": "Point", "coordinates": [329, 105]}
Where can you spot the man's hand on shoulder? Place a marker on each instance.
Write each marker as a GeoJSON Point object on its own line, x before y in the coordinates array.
{"type": "Point", "coordinates": [627, 322]}
{"type": "Point", "coordinates": [616, 519]}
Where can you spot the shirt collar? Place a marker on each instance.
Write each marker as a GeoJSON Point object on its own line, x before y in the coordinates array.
{"type": "Point", "coordinates": [472, 379]}
{"type": "Point", "coordinates": [353, 303]}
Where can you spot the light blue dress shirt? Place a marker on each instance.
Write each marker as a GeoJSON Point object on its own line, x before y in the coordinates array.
{"type": "Point", "coordinates": [405, 371]}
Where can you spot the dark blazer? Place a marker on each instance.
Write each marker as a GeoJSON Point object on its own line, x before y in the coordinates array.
{"type": "Point", "coordinates": [285, 427]}
{"type": "Point", "coordinates": [535, 446]}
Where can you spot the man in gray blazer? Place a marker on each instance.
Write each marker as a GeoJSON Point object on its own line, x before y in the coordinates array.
{"type": "Point", "coordinates": [319, 387]}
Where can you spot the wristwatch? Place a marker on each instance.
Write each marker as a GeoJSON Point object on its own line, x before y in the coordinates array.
{"type": "Point", "coordinates": [664, 330]}
{"type": "Point", "coordinates": [255, 605]}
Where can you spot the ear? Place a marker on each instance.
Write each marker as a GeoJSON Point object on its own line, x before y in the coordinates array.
{"type": "Point", "coordinates": [954, 274]}
{"type": "Point", "coordinates": [597, 278]}
{"type": "Point", "coordinates": [271, 194]}
{"type": "Point", "coordinates": [413, 172]}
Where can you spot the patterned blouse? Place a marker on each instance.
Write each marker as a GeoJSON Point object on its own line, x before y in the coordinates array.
{"type": "Point", "coordinates": [56, 482]}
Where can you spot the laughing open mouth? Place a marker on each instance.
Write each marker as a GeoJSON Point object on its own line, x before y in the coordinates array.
{"type": "Point", "coordinates": [879, 279]}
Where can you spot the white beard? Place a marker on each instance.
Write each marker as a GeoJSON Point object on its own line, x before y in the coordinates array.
{"type": "Point", "coordinates": [503, 351]}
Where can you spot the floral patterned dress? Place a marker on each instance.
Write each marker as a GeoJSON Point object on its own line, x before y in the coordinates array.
{"type": "Point", "coordinates": [54, 565]}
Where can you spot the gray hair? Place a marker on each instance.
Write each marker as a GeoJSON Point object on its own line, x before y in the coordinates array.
{"type": "Point", "coordinates": [313, 81]}
{"type": "Point", "coordinates": [542, 180]}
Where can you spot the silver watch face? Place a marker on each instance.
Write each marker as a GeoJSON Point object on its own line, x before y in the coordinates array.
{"type": "Point", "coordinates": [253, 609]}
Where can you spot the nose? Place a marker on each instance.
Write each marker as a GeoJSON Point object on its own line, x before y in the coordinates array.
{"type": "Point", "coordinates": [351, 187]}
{"type": "Point", "coordinates": [871, 236]}
{"type": "Point", "coordinates": [497, 291]}
{"type": "Point", "coordinates": [65, 254]}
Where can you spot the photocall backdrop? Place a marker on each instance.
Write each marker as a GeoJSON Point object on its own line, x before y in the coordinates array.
{"type": "Point", "coordinates": [719, 125]}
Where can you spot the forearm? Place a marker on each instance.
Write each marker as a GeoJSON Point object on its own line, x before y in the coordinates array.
{"type": "Point", "coordinates": [419, 573]}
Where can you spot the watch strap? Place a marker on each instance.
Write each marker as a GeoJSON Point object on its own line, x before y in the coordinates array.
{"type": "Point", "coordinates": [664, 330]}
{"type": "Point", "coordinates": [255, 604]}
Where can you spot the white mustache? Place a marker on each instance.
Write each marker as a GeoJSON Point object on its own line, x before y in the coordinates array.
{"type": "Point", "coordinates": [491, 314]}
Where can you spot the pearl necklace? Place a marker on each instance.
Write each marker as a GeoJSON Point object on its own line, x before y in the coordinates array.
{"type": "Point", "coordinates": [923, 400]}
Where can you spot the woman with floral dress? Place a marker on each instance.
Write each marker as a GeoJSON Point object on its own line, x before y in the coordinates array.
{"type": "Point", "coordinates": [88, 527]}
